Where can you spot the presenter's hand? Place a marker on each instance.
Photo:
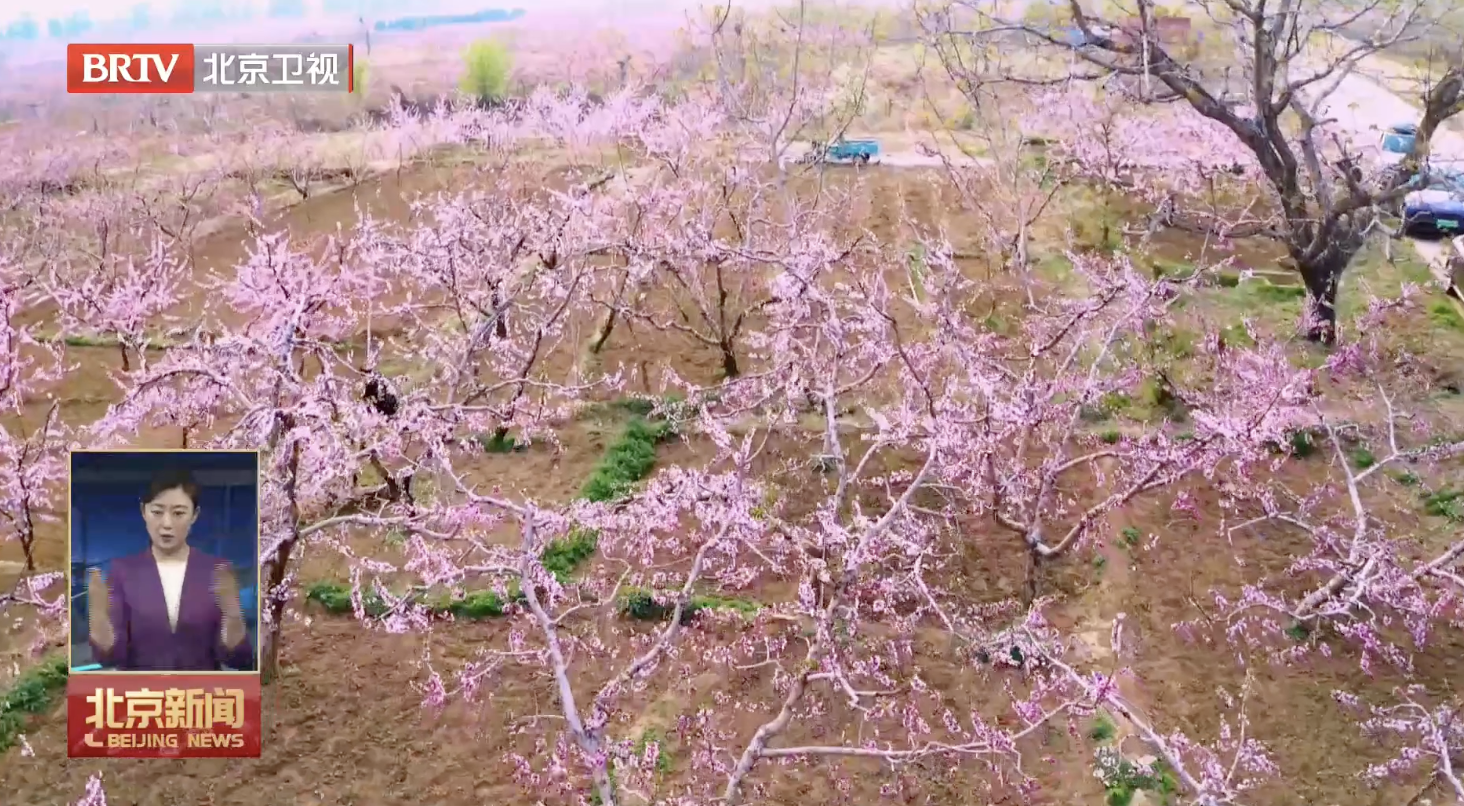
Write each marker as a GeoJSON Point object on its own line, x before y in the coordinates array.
{"type": "Point", "coordinates": [99, 611]}
{"type": "Point", "coordinates": [226, 592]}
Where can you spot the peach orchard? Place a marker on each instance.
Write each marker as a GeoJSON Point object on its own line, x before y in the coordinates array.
{"type": "Point", "coordinates": [971, 425]}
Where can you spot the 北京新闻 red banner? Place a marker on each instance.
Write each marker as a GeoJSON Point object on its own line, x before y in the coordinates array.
{"type": "Point", "coordinates": [163, 715]}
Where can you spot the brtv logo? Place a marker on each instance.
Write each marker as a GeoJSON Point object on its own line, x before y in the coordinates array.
{"type": "Point", "coordinates": [127, 69]}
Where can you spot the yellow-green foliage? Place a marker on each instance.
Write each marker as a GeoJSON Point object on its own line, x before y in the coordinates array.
{"type": "Point", "coordinates": [359, 73]}
{"type": "Point", "coordinates": [1041, 15]}
{"type": "Point", "coordinates": [487, 65]}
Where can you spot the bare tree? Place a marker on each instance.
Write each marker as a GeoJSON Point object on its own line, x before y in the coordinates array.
{"type": "Point", "coordinates": [1285, 112]}
{"type": "Point", "coordinates": [790, 76]}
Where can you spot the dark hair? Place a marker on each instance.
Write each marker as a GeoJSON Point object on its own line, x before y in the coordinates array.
{"type": "Point", "coordinates": [172, 479]}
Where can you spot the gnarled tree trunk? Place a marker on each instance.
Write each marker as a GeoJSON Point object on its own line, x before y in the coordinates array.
{"type": "Point", "coordinates": [1322, 279]}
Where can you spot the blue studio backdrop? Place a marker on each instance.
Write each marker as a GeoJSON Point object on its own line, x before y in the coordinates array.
{"type": "Point", "coordinates": [106, 522]}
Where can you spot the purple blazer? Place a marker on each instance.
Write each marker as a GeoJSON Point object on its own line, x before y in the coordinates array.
{"type": "Point", "coordinates": [146, 641]}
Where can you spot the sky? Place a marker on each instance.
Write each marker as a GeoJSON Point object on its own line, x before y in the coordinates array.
{"type": "Point", "coordinates": [11, 9]}
{"type": "Point", "coordinates": [99, 9]}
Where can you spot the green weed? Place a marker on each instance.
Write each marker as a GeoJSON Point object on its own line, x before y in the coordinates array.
{"type": "Point", "coordinates": [626, 462]}
{"type": "Point", "coordinates": [641, 604]}
{"type": "Point", "coordinates": [1443, 313]}
{"type": "Point", "coordinates": [1103, 729]}
{"type": "Point", "coordinates": [1446, 503]}
{"type": "Point", "coordinates": [1406, 478]}
{"type": "Point", "coordinates": [499, 443]}
{"type": "Point", "coordinates": [1123, 778]}
{"type": "Point", "coordinates": [1237, 335]}
{"type": "Point", "coordinates": [663, 750]}
{"type": "Point", "coordinates": [1362, 458]}
{"type": "Point", "coordinates": [335, 597]}
{"type": "Point", "coordinates": [1300, 443]}
{"type": "Point", "coordinates": [32, 693]}
{"type": "Point", "coordinates": [565, 554]}
{"type": "Point", "coordinates": [477, 605]}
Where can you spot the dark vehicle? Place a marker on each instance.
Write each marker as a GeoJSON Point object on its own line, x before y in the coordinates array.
{"type": "Point", "coordinates": [1438, 208]}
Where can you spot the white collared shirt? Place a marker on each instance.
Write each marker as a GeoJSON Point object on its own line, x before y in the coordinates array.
{"type": "Point", "coordinates": [171, 572]}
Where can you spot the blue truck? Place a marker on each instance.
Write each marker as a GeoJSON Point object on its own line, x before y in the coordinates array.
{"type": "Point", "coordinates": [842, 150]}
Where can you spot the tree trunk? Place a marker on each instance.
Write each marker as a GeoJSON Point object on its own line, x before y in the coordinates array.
{"type": "Point", "coordinates": [273, 585]}
{"type": "Point", "coordinates": [729, 362]}
{"type": "Point", "coordinates": [602, 335]}
{"type": "Point", "coordinates": [269, 639]}
{"type": "Point", "coordinates": [1029, 582]}
{"type": "Point", "coordinates": [1322, 277]}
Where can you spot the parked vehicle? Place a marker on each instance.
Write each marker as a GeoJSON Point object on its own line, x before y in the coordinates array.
{"type": "Point", "coordinates": [1438, 207]}
{"type": "Point", "coordinates": [1396, 142]}
{"type": "Point", "coordinates": [842, 150]}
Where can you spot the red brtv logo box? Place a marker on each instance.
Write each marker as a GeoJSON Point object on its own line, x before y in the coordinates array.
{"type": "Point", "coordinates": [129, 69]}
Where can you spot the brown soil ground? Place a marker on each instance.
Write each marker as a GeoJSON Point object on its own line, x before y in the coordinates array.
{"type": "Point", "coordinates": [345, 724]}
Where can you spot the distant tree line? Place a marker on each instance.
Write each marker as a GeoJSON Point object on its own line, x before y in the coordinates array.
{"type": "Point", "coordinates": [418, 23]}
{"type": "Point", "coordinates": [203, 12]}
{"type": "Point", "coordinates": [26, 29]}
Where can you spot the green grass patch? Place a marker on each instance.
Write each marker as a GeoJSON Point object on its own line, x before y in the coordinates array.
{"type": "Point", "coordinates": [627, 461]}
{"type": "Point", "coordinates": [1265, 291]}
{"type": "Point", "coordinates": [1405, 478]}
{"type": "Point", "coordinates": [663, 750]}
{"type": "Point", "coordinates": [1447, 503]}
{"type": "Point", "coordinates": [1362, 458]}
{"type": "Point", "coordinates": [1165, 268]}
{"type": "Point", "coordinates": [33, 693]}
{"type": "Point", "coordinates": [1156, 400]}
{"type": "Point", "coordinates": [641, 604]}
{"type": "Point", "coordinates": [1102, 729]}
{"type": "Point", "coordinates": [500, 443]}
{"type": "Point", "coordinates": [1300, 443]}
{"type": "Point", "coordinates": [1298, 631]}
{"type": "Point", "coordinates": [1237, 335]}
{"type": "Point", "coordinates": [1123, 779]}
{"type": "Point", "coordinates": [565, 554]}
{"type": "Point", "coordinates": [1443, 313]}
{"type": "Point", "coordinates": [335, 598]}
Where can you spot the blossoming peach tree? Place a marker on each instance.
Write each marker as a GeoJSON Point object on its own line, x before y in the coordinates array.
{"type": "Point", "coordinates": [32, 439]}
{"type": "Point", "coordinates": [1319, 196]}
